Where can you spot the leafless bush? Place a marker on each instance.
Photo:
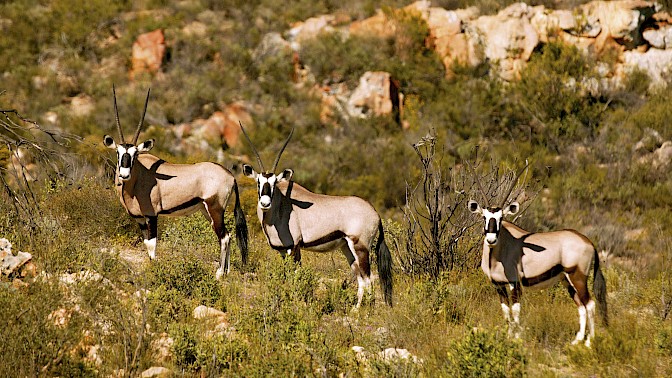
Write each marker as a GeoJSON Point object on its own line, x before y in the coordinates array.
{"type": "Point", "coordinates": [438, 226]}
{"type": "Point", "coordinates": [28, 153]}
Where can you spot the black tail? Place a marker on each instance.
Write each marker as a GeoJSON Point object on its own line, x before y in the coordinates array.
{"type": "Point", "coordinates": [600, 289]}
{"type": "Point", "coordinates": [384, 265]}
{"type": "Point", "coordinates": [241, 225]}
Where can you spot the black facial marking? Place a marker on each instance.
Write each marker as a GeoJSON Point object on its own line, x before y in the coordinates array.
{"type": "Point", "coordinates": [265, 190]}
{"type": "Point", "coordinates": [492, 226]}
{"type": "Point", "coordinates": [125, 160]}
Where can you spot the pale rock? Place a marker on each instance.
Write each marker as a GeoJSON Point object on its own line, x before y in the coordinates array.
{"type": "Point", "coordinates": [650, 141]}
{"type": "Point", "coordinates": [156, 372]}
{"type": "Point", "coordinates": [508, 38]}
{"type": "Point", "coordinates": [619, 20]}
{"type": "Point", "coordinates": [659, 38]}
{"type": "Point", "coordinates": [391, 354]}
{"type": "Point", "coordinates": [311, 28]}
{"type": "Point", "coordinates": [82, 105]}
{"type": "Point", "coordinates": [162, 346]}
{"type": "Point", "coordinates": [655, 62]}
{"type": "Point", "coordinates": [662, 156]}
{"type": "Point", "coordinates": [272, 44]}
{"type": "Point", "coordinates": [376, 95]}
{"type": "Point", "coordinates": [204, 312]}
{"type": "Point", "coordinates": [195, 29]}
{"type": "Point", "coordinates": [10, 263]}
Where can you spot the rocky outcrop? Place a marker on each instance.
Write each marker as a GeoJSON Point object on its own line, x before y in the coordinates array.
{"type": "Point", "coordinates": [218, 132]}
{"type": "Point", "coordinates": [508, 38]}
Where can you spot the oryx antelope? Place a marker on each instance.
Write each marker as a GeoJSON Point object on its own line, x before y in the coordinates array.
{"type": "Point", "coordinates": [514, 257]}
{"type": "Point", "coordinates": [148, 187]}
{"type": "Point", "coordinates": [292, 218]}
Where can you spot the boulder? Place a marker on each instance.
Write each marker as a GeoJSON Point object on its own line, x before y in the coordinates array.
{"type": "Point", "coordinates": [11, 264]}
{"type": "Point", "coordinates": [148, 52]}
{"type": "Point", "coordinates": [662, 156]}
{"type": "Point", "coordinates": [204, 312]}
{"type": "Point", "coordinates": [221, 129]}
{"type": "Point", "coordinates": [377, 94]}
{"type": "Point", "coordinates": [507, 38]}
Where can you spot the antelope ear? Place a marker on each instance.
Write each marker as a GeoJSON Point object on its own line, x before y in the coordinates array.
{"type": "Point", "coordinates": [108, 141]}
{"type": "Point", "coordinates": [512, 208]}
{"type": "Point", "coordinates": [286, 175]}
{"type": "Point", "coordinates": [146, 145]}
{"type": "Point", "coordinates": [249, 171]}
{"type": "Point", "coordinates": [474, 207]}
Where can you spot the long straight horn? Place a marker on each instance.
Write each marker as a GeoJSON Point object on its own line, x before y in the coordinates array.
{"type": "Point", "coordinates": [480, 186]}
{"type": "Point", "coordinates": [116, 115]}
{"type": "Point", "coordinates": [261, 165]}
{"type": "Point", "coordinates": [277, 159]}
{"type": "Point", "coordinates": [513, 184]}
{"type": "Point", "coordinates": [142, 120]}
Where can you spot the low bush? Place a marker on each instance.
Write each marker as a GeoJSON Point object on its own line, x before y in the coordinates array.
{"type": "Point", "coordinates": [483, 353]}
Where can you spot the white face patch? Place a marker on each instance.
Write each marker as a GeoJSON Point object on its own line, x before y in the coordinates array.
{"type": "Point", "coordinates": [125, 158]}
{"type": "Point", "coordinates": [266, 185]}
{"type": "Point", "coordinates": [492, 230]}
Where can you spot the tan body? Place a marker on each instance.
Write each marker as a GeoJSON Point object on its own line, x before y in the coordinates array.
{"type": "Point", "coordinates": [350, 217]}
{"type": "Point", "coordinates": [172, 187]}
{"type": "Point", "coordinates": [565, 251]}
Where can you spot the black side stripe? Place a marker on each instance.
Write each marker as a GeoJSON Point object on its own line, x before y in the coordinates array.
{"type": "Point", "coordinates": [192, 202]}
{"type": "Point", "coordinates": [323, 240]}
{"type": "Point", "coordinates": [549, 274]}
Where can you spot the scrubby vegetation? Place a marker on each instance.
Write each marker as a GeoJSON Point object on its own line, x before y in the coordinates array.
{"type": "Point", "coordinates": [96, 291]}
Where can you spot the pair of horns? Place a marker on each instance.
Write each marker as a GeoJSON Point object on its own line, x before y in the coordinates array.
{"type": "Point", "coordinates": [116, 115]}
{"type": "Point", "coordinates": [277, 159]}
{"type": "Point", "coordinates": [508, 192]}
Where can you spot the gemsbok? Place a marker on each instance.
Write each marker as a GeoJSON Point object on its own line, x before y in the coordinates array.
{"type": "Point", "coordinates": [514, 257]}
{"type": "Point", "coordinates": [292, 217]}
{"type": "Point", "coordinates": [148, 187]}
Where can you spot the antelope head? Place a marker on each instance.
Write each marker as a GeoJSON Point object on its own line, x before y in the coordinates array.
{"type": "Point", "coordinates": [266, 180]}
{"type": "Point", "coordinates": [127, 153]}
{"type": "Point", "coordinates": [492, 219]}
{"type": "Point", "coordinates": [492, 216]}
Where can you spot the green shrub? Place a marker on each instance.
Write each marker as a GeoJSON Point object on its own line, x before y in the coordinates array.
{"type": "Point", "coordinates": [177, 284]}
{"type": "Point", "coordinates": [184, 348]}
{"type": "Point", "coordinates": [339, 298]}
{"type": "Point", "coordinates": [484, 353]}
{"type": "Point", "coordinates": [32, 343]}
{"type": "Point", "coordinates": [221, 352]}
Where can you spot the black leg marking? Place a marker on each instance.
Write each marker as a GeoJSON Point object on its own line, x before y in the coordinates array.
{"type": "Point", "coordinates": [152, 224]}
